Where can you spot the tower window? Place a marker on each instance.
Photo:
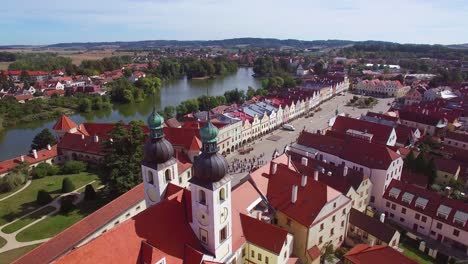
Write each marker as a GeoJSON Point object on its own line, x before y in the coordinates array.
{"type": "Point", "coordinates": [222, 195]}
{"type": "Point", "coordinates": [204, 235]}
{"type": "Point", "coordinates": [223, 234]}
{"type": "Point", "coordinates": [150, 177]}
{"type": "Point", "coordinates": [201, 197]}
{"type": "Point", "coordinates": [167, 175]}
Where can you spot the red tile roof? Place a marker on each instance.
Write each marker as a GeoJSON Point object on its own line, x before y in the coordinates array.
{"type": "Point", "coordinates": [367, 154]}
{"type": "Point", "coordinates": [414, 178]}
{"type": "Point", "coordinates": [81, 143]}
{"type": "Point", "coordinates": [447, 165]}
{"type": "Point", "coordinates": [364, 254]}
{"type": "Point", "coordinates": [66, 240]}
{"type": "Point", "coordinates": [434, 201]}
{"type": "Point", "coordinates": [383, 116]}
{"type": "Point", "coordinates": [64, 124]}
{"type": "Point", "coordinates": [164, 226]}
{"type": "Point", "coordinates": [381, 133]}
{"type": "Point", "coordinates": [310, 199]}
{"type": "Point", "coordinates": [459, 136]}
{"type": "Point", "coordinates": [42, 155]}
{"type": "Point", "coordinates": [267, 236]}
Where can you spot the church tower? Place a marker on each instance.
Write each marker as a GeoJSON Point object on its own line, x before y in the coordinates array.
{"type": "Point", "coordinates": [159, 167]}
{"type": "Point", "coordinates": [211, 197]}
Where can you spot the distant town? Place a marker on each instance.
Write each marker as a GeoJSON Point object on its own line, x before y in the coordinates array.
{"type": "Point", "coordinates": [344, 153]}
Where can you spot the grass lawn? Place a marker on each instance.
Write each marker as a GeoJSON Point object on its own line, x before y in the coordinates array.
{"type": "Point", "coordinates": [2, 242]}
{"type": "Point", "coordinates": [25, 201]}
{"type": "Point", "coordinates": [416, 255]}
{"type": "Point", "coordinates": [8, 193]}
{"type": "Point", "coordinates": [14, 254]}
{"type": "Point", "coordinates": [27, 220]}
{"type": "Point", "coordinates": [55, 224]}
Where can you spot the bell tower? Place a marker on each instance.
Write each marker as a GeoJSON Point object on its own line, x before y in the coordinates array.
{"type": "Point", "coordinates": [159, 167]}
{"type": "Point", "coordinates": [211, 197]}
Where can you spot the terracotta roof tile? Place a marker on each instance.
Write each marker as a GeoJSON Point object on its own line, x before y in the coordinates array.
{"type": "Point", "coordinates": [372, 226]}
{"type": "Point", "coordinates": [264, 235]}
{"type": "Point", "coordinates": [364, 254]}
{"type": "Point", "coordinates": [64, 124]}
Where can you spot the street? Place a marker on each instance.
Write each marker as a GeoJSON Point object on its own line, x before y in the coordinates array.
{"type": "Point", "coordinates": [318, 121]}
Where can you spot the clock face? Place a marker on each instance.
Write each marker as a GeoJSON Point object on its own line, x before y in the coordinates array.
{"type": "Point", "coordinates": [202, 218]}
{"type": "Point", "coordinates": [152, 194]}
{"type": "Point", "coordinates": [224, 215]}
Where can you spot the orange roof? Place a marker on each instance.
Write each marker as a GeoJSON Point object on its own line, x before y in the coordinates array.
{"type": "Point", "coordinates": [314, 252]}
{"type": "Point", "coordinates": [164, 226]}
{"type": "Point", "coordinates": [42, 155]}
{"type": "Point", "coordinates": [310, 199]}
{"type": "Point", "coordinates": [363, 254]}
{"type": "Point", "coordinates": [64, 124]}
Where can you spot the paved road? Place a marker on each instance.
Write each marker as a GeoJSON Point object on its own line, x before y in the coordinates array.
{"type": "Point", "coordinates": [318, 121]}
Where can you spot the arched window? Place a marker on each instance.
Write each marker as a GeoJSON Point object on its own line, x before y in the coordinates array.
{"type": "Point", "coordinates": [167, 175]}
{"type": "Point", "coordinates": [201, 197]}
{"type": "Point", "coordinates": [150, 177]}
{"type": "Point", "coordinates": [222, 195]}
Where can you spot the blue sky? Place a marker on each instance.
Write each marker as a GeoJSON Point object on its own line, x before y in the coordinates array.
{"type": "Point", "coordinates": [404, 21]}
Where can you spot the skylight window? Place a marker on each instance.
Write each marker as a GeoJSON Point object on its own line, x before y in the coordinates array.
{"type": "Point", "coordinates": [443, 211]}
{"type": "Point", "coordinates": [460, 218]}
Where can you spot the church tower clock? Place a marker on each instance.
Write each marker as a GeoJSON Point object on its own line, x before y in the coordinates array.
{"type": "Point", "coordinates": [159, 167]}
{"type": "Point", "coordinates": [210, 188]}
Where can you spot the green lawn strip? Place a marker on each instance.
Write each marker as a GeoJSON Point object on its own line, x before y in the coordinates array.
{"type": "Point", "coordinates": [27, 220]}
{"type": "Point", "coordinates": [2, 242]}
{"type": "Point", "coordinates": [12, 255]}
{"type": "Point", "coordinates": [416, 255]}
{"type": "Point", "coordinates": [25, 201]}
{"type": "Point", "coordinates": [55, 224]}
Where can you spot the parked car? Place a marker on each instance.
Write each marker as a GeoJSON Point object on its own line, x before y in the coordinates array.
{"type": "Point", "coordinates": [288, 127]}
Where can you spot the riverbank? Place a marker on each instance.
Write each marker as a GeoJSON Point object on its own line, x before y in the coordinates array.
{"type": "Point", "coordinates": [16, 140]}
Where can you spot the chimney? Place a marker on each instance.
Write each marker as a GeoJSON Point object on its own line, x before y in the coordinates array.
{"type": "Point", "coordinates": [22, 158]}
{"type": "Point", "coordinates": [82, 137]}
{"type": "Point", "coordinates": [447, 190]}
{"type": "Point", "coordinates": [322, 170]}
{"type": "Point", "coordinates": [324, 161]}
{"type": "Point", "coordinates": [273, 168]}
{"type": "Point", "coordinates": [345, 171]}
{"type": "Point", "coordinates": [304, 161]}
{"type": "Point", "coordinates": [96, 138]}
{"type": "Point", "coordinates": [34, 153]}
{"type": "Point", "coordinates": [329, 173]}
{"type": "Point", "coordinates": [259, 215]}
{"type": "Point", "coordinates": [294, 194]}
{"type": "Point", "coordinates": [316, 173]}
{"type": "Point", "coordinates": [382, 217]}
{"type": "Point", "coordinates": [49, 147]}
{"type": "Point", "coordinates": [304, 180]}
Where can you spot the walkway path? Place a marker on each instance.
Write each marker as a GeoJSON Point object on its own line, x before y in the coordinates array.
{"type": "Point", "coordinates": [22, 188]}
{"type": "Point", "coordinates": [12, 243]}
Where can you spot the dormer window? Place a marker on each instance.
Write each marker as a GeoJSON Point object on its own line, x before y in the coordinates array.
{"type": "Point", "coordinates": [421, 203]}
{"type": "Point", "coordinates": [460, 218]}
{"type": "Point", "coordinates": [394, 192]}
{"type": "Point", "coordinates": [202, 197]}
{"type": "Point", "coordinates": [407, 197]}
{"type": "Point", "coordinates": [150, 178]}
{"type": "Point", "coordinates": [443, 211]}
{"type": "Point", "coordinates": [222, 195]}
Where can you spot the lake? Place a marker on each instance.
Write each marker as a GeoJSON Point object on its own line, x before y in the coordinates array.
{"type": "Point", "coordinates": [16, 141]}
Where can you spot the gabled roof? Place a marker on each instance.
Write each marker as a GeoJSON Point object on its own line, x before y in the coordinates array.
{"type": "Point", "coordinates": [434, 201]}
{"type": "Point", "coordinates": [164, 226]}
{"type": "Point", "coordinates": [310, 199]}
{"type": "Point", "coordinates": [81, 143]}
{"type": "Point", "coordinates": [364, 254]}
{"type": "Point", "coordinates": [372, 226]}
{"type": "Point", "coordinates": [264, 235]}
{"type": "Point", "coordinates": [382, 116]}
{"type": "Point", "coordinates": [381, 133]}
{"type": "Point", "coordinates": [64, 124]}
{"type": "Point", "coordinates": [70, 237]}
{"type": "Point", "coordinates": [42, 155]}
{"type": "Point", "coordinates": [459, 136]}
{"type": "Point", "coordinates": [419, 118]}
{"type": "Point", "coordinates": [376, 156]}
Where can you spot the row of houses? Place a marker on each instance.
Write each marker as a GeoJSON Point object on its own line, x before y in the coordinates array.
{"type": "Point", "coordinates": [382, 88]}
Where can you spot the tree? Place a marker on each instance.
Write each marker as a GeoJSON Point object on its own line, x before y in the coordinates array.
{"type": "Point", "coordinates": [327, 253]}
{"type": "Point", "coordinates": [45, 169]}
{"type": "Point", "coordinates": [73, 166]}
{"type": "Point", "coordinates": [66, 204]}
{"type": "Point", "coordinates": [123, 157]}
{"type": "Point", "coordinates": [43, 139]}
{"type": "Point", "coordinates": [409, 160]}
{"type": "Point", "coordinates": [43, 197]}
{"type": "Point", "coordinates": [67, 185]}
{"type": "Point", "coordinates": [420, 163]}
{"type": "Point", "coordinates": [85, 105]}
{"type": "Point", "coordinates": [90, 193]}
{"type": "Point", "coordinates": [431, 171]}
{"type": "Point", "coordinates": [150, 85]}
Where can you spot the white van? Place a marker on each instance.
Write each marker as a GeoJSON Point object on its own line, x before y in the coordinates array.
{"type": "Point", "coordinates": [288, 127]}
